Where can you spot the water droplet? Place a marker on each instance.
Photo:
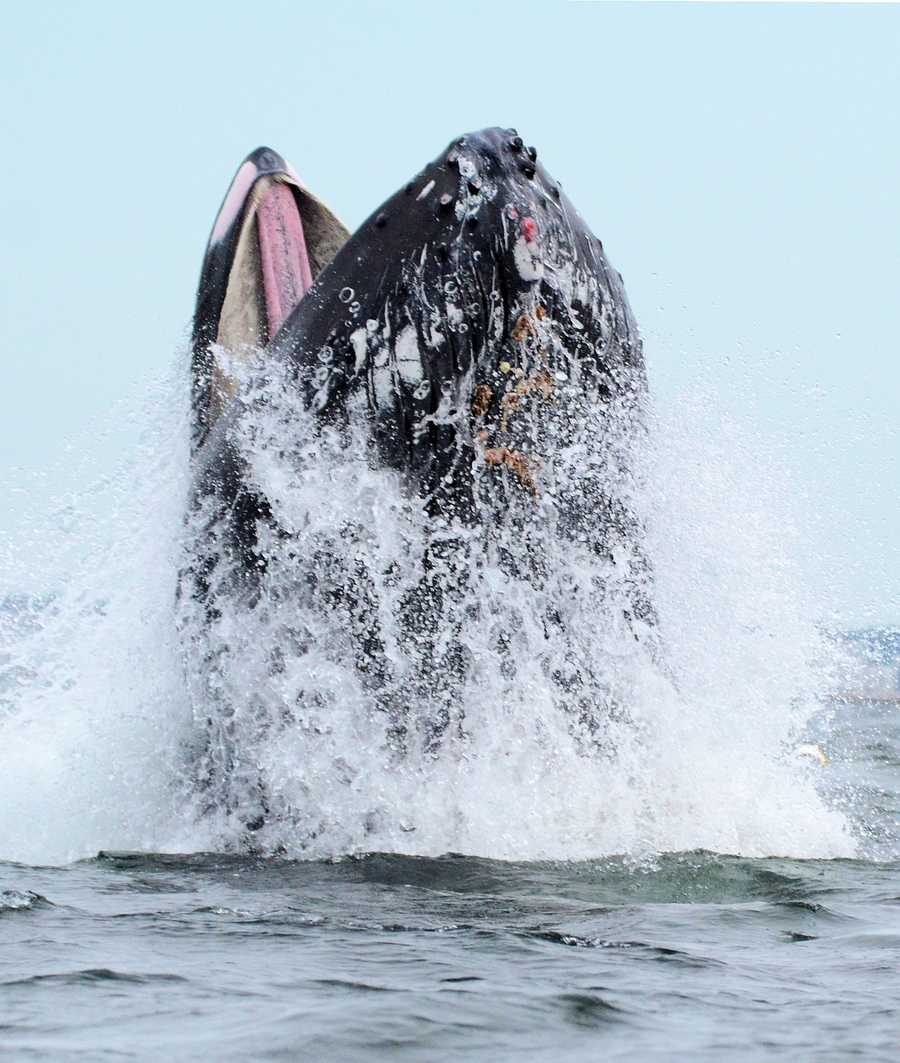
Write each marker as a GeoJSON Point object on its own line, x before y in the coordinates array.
{"type": "Point", "coordinates": [345, 295]}
{"type": "Point", "coordinates": [326, 356]}
{"type": "Point", "coordinates": [354, 308]}
{"type": "Point", "coordinates": [321, 374]}
{"type": "Point", "coordinates": [372, 325]}
{"type": "Point", "coordinates": [450, 288]}
{"type": "Point", "coordinates": [423, 390]}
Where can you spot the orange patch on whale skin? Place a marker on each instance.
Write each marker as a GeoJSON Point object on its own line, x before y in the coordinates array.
{"type": "Point", "coordinates": [540, 382]}
{"type": "Point", "coordinates": [522, 328]}
{"type": "Point", "coordinates": [520, 464]}
{"type": "Point", "coordinates": [481, 400]}
{"type": "Point", "coordinates": [526, 326]}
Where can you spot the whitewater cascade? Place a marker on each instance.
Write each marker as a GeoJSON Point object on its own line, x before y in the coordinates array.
{"type": "Point", "coordinates": [596, 734]}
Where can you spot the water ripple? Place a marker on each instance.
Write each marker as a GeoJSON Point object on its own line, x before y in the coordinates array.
{"type": "Point", "coordinates": [21, 901]}
{"type": "Point", "coordinates": [93, 975]}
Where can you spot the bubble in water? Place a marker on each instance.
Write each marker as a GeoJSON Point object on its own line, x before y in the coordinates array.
{"type": "Point", "coordinates": [346, 295]}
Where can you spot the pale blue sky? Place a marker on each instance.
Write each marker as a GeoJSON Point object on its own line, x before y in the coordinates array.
{"type": "Point", "coordinates": [740, 163]}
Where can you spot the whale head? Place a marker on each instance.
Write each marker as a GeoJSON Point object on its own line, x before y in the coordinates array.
{"type": "Point", "coordinates": [472, 318]}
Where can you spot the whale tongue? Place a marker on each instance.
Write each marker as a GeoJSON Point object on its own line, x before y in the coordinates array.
{"type": "Point", "coordinates": [283, 258]}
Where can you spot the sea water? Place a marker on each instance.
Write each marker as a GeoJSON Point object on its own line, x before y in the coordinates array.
{"type": "Point", "coordinates": [696, 886]}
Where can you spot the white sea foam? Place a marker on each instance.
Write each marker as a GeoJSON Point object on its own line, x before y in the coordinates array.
{"type": "Point", "coordinates": [104, 717]}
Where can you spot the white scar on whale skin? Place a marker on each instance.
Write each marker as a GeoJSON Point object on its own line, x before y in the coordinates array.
{"type": "Point", "coordinates": [382, 378]}
{"type": "Point", "coordinates": [409, 358]}
{"type": "Point", "coordinates": [358, 342]}
{"type": "Point", "coordinates": [425, 190]}
{"type": "Point", "coordinates": [529, 265]}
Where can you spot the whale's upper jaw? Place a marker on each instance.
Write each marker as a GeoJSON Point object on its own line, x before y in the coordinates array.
{"type": "Point", "coordinates": [450, 305]}
{"type": "Point", "coordinates": [270, 240]}
{"type": "Point", "coordinates": [486, 202]}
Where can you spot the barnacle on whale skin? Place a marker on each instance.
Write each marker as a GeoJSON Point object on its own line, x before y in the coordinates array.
{"type": "Point", "coordinates": [521, 464]}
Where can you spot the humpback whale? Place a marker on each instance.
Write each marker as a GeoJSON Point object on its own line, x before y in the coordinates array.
{"type": "Point", "coordinates": [472, 338]}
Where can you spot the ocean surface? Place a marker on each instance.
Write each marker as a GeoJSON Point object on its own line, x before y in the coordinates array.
{"type": "Point", "coordinates": [713, 875]}
{"type": "Point", "coordinates": [689, 955]}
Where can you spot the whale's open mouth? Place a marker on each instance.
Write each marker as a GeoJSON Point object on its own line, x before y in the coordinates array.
{"type": "Point", "coordinates": [472, 321]}
{"type": "Point", "coordinates": [270, 241]}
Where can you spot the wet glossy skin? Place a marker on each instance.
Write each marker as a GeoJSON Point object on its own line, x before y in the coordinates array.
{"type": "Point", "coordinates": [471, 255]}
{"type": "Point", "coordinates": [444, 302]}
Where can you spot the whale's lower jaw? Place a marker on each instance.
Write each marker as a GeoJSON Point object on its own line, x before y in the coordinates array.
{"type": "Point", "coordinates": [271, 238]}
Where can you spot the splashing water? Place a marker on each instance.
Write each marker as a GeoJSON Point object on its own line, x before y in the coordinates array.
{"type": "Point", "coordinates": [117, 696]}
